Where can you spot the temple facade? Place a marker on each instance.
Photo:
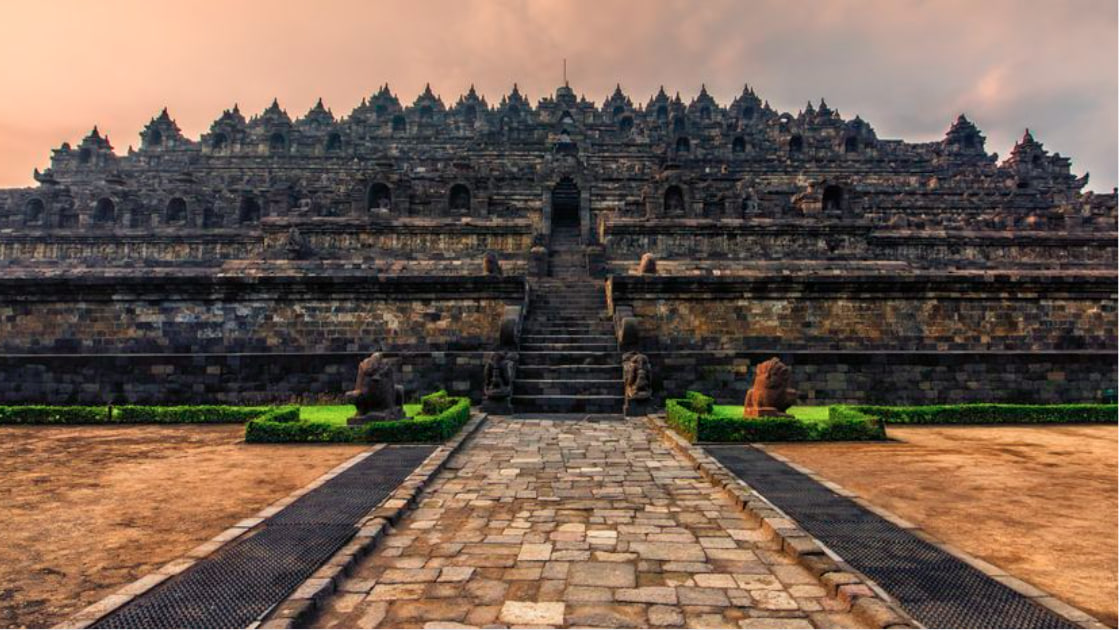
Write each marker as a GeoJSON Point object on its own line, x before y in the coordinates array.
{"type": "Point", "coordinates": [281, 248]}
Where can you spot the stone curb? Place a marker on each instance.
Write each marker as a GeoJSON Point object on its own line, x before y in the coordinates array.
{"type": "Point", "coordinates": [1020, 586]}
{"type": "Point", "coordinates": [301, 606]}
{"type": "Point", "coordinates": [868, 603]}
{"type": "Point", "coordinates": [99, 609]}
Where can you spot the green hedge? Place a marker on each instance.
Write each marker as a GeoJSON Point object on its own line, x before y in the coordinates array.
{"type": "Point", "coordinates": [700, 403]}
{"type": "Point", "coordinates": [422, 428]}
{"type": "Point", "coordinates": [990, 413]}
{"type": "Point", "coordinates": [723, 429]}
{"type": "Point", "coordinates": [51, 414]}
{"type": "Point", "coordinates": [187, 414]}
{"type": "Point", "coordinates": [681, 418]}
{"type": "Point", "coordinates": [693, 417]}
{"type": "Point", "coordinates": [436, 403]}
{"type": "Point", "coordinates": [132, 414]}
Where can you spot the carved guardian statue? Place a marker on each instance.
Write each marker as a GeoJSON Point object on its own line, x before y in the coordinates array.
{"type": "Point", "coordinates": [375, 394]}
{"type": "Point", "coordinates": [500, 371]}
{"type": "Point", "coordinates": [637, 374]}
{"type": "Point", "coordinates": [498, 376]}
{"type": "Point", "coordinates": [772, 393]}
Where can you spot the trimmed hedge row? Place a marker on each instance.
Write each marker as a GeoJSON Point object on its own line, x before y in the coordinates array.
{"type": "Point", "coordinates": [679, 415]}
{"type": "Point", "coordinates": [989, 413]}
{"type": "Point", "coordinates": [187, 414]}
{"type": "Point", "coordinates": [129, 414]}
{"type": "Point", "coordinates": [692, 418]}
{"type": "Point", "coordinates": [50, 414]}
{"type": "Point", "coordinates": [455, 412]}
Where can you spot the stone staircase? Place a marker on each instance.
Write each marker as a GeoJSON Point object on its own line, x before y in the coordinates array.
{"type": "Point", "coordinates": [569, 359]}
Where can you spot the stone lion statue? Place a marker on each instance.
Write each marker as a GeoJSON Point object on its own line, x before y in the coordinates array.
{"type": "Point", "coordinates": [772, 393]}
{"type": "Point", "coordinates": [375, 393]}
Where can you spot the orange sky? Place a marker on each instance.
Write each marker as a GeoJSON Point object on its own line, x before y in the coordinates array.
{"type": "Point", "coordinates": [906, 66]}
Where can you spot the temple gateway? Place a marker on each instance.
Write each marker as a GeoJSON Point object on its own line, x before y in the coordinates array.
{"type": "Point", "coordinates": [265, 259]}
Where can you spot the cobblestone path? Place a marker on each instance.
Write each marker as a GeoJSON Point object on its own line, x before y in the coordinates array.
{"type": "Point", "coordinates": [576, 523]}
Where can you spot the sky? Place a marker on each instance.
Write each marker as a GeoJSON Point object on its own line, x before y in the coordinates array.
{"type": "Point", "coordinates": [908, 67]}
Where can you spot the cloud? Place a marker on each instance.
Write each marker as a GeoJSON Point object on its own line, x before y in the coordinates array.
{"type": "Point", "coordinates": [907, 66]}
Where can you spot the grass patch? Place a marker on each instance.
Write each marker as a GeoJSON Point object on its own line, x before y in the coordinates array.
{"type": "Point", "coordinates": [809, 413]}
{"type": "Point", "coordinates": [339, 414]}
{"type": "Point", "coordinates": [327, 423]}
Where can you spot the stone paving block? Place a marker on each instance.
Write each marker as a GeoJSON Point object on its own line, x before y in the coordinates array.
{"type": "Point", "coordinates": [532, 613]}
{"type": "Point", "coordinates": [610, 574]}
{"type": "Point", "coordinates": [606, 615]}
{"type": "Point", "coordinates": [647, 595]}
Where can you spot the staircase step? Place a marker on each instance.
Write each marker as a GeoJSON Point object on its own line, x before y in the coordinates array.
{"type": "Point", "coordinates": [568, 404]}
{"type": "Point", "coordinates": [597, 328]}
{"type": "Point", "coordinates": [550, 387]}
{"type": "Point", "coordinates": [569, 372]}
{"type": "Point", "coordinates": [589, 346]}
{"type": "Point", "coordinates": [532, 358]}
{"type": "Point", "coordinates": [562, 338]}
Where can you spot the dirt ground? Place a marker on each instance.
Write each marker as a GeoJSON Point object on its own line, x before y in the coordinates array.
{"type": "Point", "coordinates": [1039, 502]}
{"type": "Point", "coordinates": [85, 510]}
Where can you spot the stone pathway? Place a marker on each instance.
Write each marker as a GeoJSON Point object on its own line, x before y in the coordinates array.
{"type": "Point", "coordinates": [577, 523]}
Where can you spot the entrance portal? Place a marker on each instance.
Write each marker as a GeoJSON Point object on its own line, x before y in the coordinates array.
{"type": "Point", "coordinates": [565, 204]}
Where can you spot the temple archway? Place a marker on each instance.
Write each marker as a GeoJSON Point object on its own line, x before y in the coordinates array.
{"type": "Point", "coordinates": [833, 197]}
{"type": "Point", "coordinates": [379, 196]}
{"type": "Point", "coordinates": [105, 212]}
{"type": "Point", "coordinates": [176, 210]}
{"type": "Point", "coordinates": [459, 199]}
{"type": "Point", "coordinates": [565, 203]}
{"type": "Point", "coordinates": [249, 210]}
{"type": "Point", "coordinates": [35, 211]}
{"type": "Point", "coordinates": [674, 201]}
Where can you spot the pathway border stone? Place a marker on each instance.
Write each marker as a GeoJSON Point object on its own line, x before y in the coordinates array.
{"type": "Point", "coordinates": [868, 603]}
{"type": "Point", "coordinates": [301, 606]}
{"type": "Point", "coordinates": [110, 603]}
{"type": "Point", "coordinates": [1022, 587]}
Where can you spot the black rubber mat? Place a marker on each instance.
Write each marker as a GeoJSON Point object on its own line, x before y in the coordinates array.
{"type": "Point", "coordinates": [244, 579]}
{"type": "Point", "coordinates": [936, 588]}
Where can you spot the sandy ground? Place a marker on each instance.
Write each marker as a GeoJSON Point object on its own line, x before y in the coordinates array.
{"type": "Point", "coordinates": [85, 510]}
{"type": "Point", "coordinates": [1040, 502]}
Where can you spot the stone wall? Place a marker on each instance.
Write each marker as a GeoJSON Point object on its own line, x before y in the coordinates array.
{"type": "Point", "coordinates": [914, 337]}
{"type": "Point", "coordinates": [185, 313]}
{"type": "Point", "coordinates": [333, 238]}
{"type": "Point", "coordinates": [917, 378]}
{"type": "Point", "coordinates": [196, 338]}
{"type": "Point", "coordinates": [895, 311]}
{"type": "Point", "coordinates": [714, 241]}
{"type": "Point", "coordinates": [233, 378]}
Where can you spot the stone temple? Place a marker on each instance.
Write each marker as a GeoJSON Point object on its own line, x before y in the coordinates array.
{"type": "Point", "coordinates": [265, 259]}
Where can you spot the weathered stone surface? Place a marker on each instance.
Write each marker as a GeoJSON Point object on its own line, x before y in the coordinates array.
{"type": "Point", "coordinates": [611, 574]}
{"type": "Point", "coordinates": [606, 616]}
{"type": "Point", "coordinates": [524, 491]}
{"type": "Point", "coordinates": [532, 613]}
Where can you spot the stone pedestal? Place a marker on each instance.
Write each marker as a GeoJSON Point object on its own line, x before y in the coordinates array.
{"type": "Point", "coordinates": [381, 415]}
{"type": "Point", "coordinates": [638, 407]}
{"type": "Point", "coordinates": [764, 412]}
{"type": "Point", "coordinates": [503, 407]}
